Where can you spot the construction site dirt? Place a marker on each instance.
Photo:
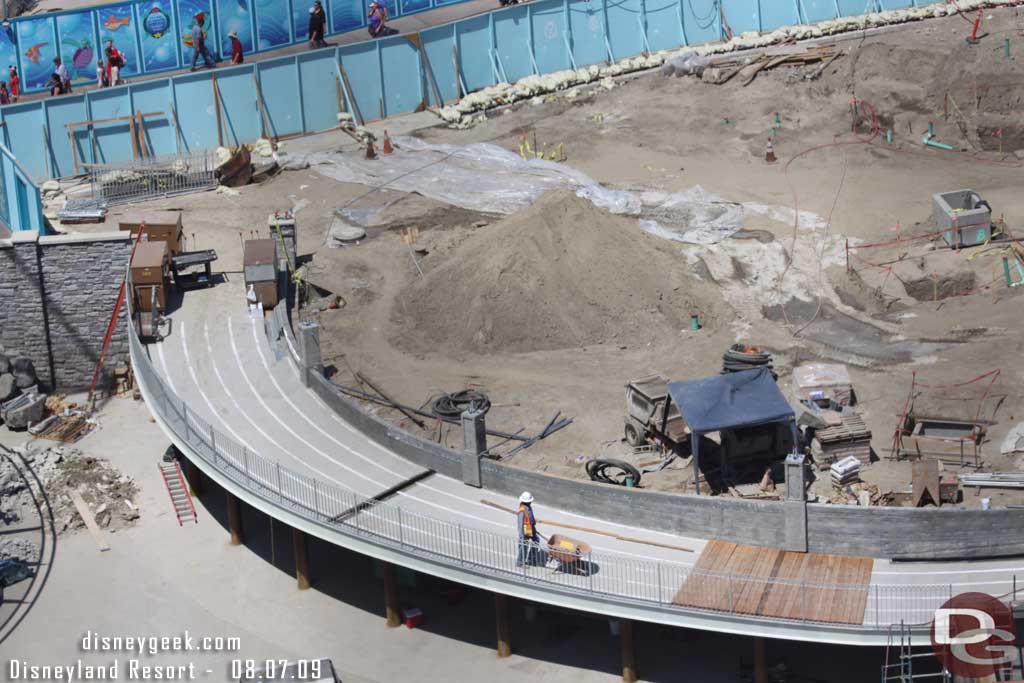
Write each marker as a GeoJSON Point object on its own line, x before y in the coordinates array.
{"type": "Point", "coordinates": [558, 304]}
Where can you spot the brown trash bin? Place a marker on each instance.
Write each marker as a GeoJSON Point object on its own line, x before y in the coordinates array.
{"type": "Point", "coordinates": [161, 226]}
{"type": "Point", "coordinates": [260, 264]}
{"type": "Point", "coordinates": [151, 266]}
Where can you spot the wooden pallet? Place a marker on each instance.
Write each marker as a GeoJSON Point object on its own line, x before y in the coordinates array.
{"type": "Point", "coordinates": [776, 583]}
{"type": "Point", "coordinates": [66, 429]}
{"type": "Point", "coordinates": [826, 455]}
{"type": "Point", "coordinates": [852, 427]}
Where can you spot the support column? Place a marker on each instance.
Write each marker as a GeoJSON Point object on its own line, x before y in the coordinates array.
{"type": "Point", "coordinates": [309, 350]}
{"type": "Point", "coordinates": [795, 505]}
{"type": "Point", "coordinates": [504, 622]}
{"type": "Point", "coordinates": [301, 559]}
{"type": "Point", "coordinates": [194, 477]}
{"type": "Point", "coordinates": [392, 609]}
{"type": "Point", "coordinates": [235, 519]}
{"type": "Point", "coordinates": [628, 652]}
{"type": "Point", "coordinates": [474, 445]}
{"type": "Point", "coordinates": [760, 660]}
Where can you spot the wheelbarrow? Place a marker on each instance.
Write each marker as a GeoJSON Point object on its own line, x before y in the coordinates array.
{"type": "Point", "coordinates": [567, 552]}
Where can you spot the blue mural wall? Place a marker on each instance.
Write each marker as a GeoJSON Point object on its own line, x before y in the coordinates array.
{"type": "Point", "coordinates": [303, 93]}
{"type": "Point", "coordinates": [155, 35]}
{"type": "Point", "coordinates": [273, 24]}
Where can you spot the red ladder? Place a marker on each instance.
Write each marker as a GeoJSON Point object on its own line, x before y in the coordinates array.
{"type": "Point", "coordinates": [178, 491]}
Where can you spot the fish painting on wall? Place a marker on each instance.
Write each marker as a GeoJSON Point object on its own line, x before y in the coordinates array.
{"type": "Point", "coordinates": [38, 48]}
{"type": "Point", "coordinates": [78, 50]}
{"type": "Point", "coordinates": [117, 23]}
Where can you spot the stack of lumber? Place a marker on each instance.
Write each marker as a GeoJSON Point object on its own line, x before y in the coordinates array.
{"type": "Point", "coordinates": [849, 438]}
{"type": "Point", "coordinates": [792, 55]}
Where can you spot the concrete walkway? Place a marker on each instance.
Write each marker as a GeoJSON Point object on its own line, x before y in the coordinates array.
{"type": "Point", "coordinates": [219, 361]}
{"type": "Point", "coordinates": [161, 579]}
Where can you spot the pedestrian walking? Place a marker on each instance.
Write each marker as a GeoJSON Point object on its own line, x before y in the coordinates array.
{"type": "Point", "coordinates": [199, 43]}
{"type": "Point", "coordinates": [317, 25]}
{"type": "Point", "coordinates": [15, 83]}
{"type": "Point", "coordinates": [236, 48]}
{"type": "Point", "coordinates": [115, 60]}
{"type": "Point", "coordinates": [529, 537]}
{"type": "Point", "coordinates": [63, 77]}
{"type": "Point", "coordinates": [377, 17]}
{"type": "Point", "coordinates": [54, 84]}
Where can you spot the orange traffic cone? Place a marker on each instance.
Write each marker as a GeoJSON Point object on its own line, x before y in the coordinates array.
{"type": "Point", "coordinates": [387, 148]}
{"type": "Point", "coordinates": [769, 153]}
{"type": "Point", "coordinates": [371, 153]}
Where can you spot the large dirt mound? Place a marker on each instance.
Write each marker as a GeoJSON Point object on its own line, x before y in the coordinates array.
{"type": "Point", "coordinates": [559, 274]}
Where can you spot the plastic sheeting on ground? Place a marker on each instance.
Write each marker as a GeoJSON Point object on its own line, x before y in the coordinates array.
{"type": "Point", "coordinates": [488, 178]}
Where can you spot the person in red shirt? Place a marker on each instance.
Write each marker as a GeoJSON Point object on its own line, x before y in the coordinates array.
{"type": "Point", "coordinates": [115, 60]}
{"type": "Point", "coordinates": [236, 48]}
{"type": "Point", "coordinates": [15, 84]}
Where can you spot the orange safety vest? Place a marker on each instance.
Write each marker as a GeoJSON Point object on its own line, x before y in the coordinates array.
{"type": "Point", "coordinates": [528, 520]}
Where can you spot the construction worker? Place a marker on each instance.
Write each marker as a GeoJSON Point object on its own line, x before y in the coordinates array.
{"type": "Point", "coordinates": [529, 537]}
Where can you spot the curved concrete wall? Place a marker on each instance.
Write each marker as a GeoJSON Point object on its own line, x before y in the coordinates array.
{"type": "Point", "coordinates": [904, 533]}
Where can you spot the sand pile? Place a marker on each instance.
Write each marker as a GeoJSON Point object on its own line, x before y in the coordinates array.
{"type": "Point", "coordinates": [559, 274]}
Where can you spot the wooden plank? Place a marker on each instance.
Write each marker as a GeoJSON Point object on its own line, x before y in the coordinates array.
{"type": "Point", "coordinates": [264, 120]}
{"type": "Point", "coordinates": [773, 574]}
{"type": "Point", "coordinates": [90, 521]}
{"type": "Point", "coordinates": [74, 151]}
{"type": "Point", "coordinates": [216, 108]}
{"type": "Point", "coordinates": [749, 595]}
{"type": "Point", "coordinates": [93, 122]}
{"type": "Point", "coordinates": [351, 95]}
{"type": "Point", "coordinates": [429, 69]}
{"type": "Point", "coordinates": [177, 128]}
{"type": "Point", "coordinates": [628, 539]}
{"type": "Point", "coordinates": [780, 594]}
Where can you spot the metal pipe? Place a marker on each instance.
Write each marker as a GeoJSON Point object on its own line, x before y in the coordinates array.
{"type": "Point", "coordinates": [927, 140]}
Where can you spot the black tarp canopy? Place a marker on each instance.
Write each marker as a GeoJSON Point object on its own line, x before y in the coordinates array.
{"type": "Point", "coordinates": [731, 401]}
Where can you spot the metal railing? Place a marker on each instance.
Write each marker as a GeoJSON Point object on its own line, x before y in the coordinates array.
{"type": "Point", "coordinates": [153, 177]}
{"type": "Point", "coordinates": [661, 584]}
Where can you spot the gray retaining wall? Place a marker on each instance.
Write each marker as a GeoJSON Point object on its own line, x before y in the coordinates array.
{"type": "Point", "coordinates": [904, 533]}
{"type": "Point", "coordinates": [57, 293]}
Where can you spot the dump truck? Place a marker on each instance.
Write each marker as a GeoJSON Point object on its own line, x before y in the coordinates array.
{"type": "Point", "coordinates": [646, 421]}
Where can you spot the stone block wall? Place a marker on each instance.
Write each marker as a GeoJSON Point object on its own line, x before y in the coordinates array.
{"type": "Point", "coordinates": [56, 296]}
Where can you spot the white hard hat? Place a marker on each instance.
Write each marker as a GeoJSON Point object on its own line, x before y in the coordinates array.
{"type": "Point", "coordinates": [526, 497]}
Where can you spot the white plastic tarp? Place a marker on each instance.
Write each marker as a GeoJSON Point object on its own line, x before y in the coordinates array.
{"type": "Point", "coordinates": [488, 178]}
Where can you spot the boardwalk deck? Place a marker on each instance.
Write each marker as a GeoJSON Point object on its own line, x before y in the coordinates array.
{"type": "Point", "coordinates": [775, 583]}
